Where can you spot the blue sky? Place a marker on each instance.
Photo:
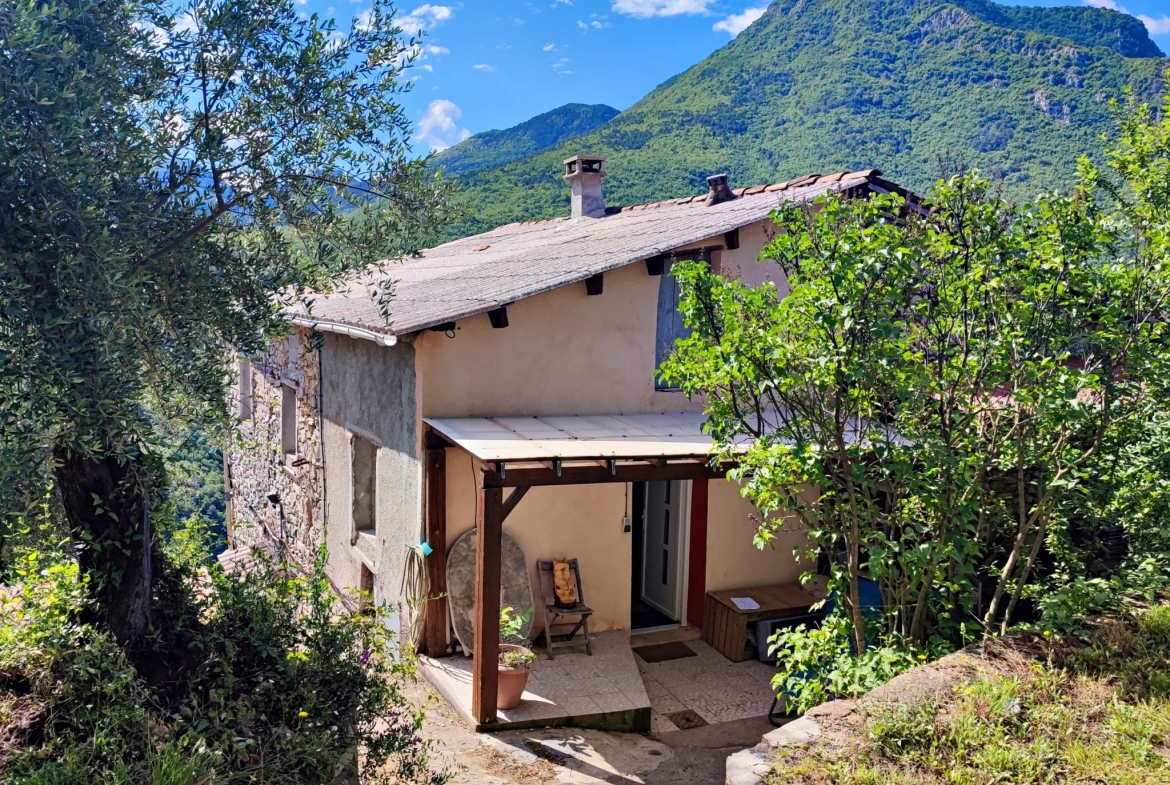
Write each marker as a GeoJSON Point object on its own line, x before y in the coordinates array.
{"type": "Point", "coordinates": [494, 63]}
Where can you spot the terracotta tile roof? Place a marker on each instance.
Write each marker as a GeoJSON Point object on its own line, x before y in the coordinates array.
{"type": "Point", "coordinates": [476, 274]}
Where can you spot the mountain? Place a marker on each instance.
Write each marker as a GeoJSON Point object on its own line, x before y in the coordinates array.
{"type": "Point", "coordinates": [828, 85]}
{"type": "Point", "coordinates": [495, 148]}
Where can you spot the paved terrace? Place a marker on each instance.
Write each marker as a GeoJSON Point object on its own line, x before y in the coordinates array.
{"type": "Point", "coordinates": [615, 690]}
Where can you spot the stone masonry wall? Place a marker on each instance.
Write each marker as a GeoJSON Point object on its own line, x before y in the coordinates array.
{"type": "Point", "coordinates": [257, 465]}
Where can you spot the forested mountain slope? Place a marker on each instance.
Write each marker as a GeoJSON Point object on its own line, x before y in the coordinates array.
{"type": "Point", "coordinates": [828, 85]}
{"type": "Point", "coordinates": [495, 148]}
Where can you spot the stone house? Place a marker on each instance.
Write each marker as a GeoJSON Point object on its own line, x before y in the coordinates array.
{"type": "Point", "coordinates": [522, 358]}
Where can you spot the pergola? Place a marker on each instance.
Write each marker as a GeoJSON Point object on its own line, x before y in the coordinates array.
{"type": "Point", "coordinates": [513, 454]}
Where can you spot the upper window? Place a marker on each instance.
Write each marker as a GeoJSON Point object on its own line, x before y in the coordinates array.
{"type": "Point", "coordinates": [245, 388]}
{"type": "Point", "coordinates": [288, 419]}
{"type": "Point", "coordinates": [670, 324]}
{"type": "Point", "coordinates": [294, 350]}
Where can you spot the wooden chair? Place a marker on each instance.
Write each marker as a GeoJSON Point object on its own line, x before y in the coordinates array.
{"type": "Point", "coordinates": [554, 612]}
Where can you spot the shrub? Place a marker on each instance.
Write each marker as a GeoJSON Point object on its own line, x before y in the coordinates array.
{"type": "Point", "coordinates": [264, 680]}
{"type": "Point", "coordinates": [818, 665]}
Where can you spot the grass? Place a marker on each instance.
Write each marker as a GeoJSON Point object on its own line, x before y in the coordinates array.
{"type": "Point", "coordinates": [1094, 711]}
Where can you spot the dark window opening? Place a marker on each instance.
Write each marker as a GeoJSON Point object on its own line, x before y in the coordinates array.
{"type": "Point", "coordinates": [365, 470]}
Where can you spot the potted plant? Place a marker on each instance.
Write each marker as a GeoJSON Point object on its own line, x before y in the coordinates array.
{"type": "Point", "coordinates": [515, 658]}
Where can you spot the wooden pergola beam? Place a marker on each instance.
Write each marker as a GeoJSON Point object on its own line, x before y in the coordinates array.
{"type": "Point", "coordinates": [528, 476]}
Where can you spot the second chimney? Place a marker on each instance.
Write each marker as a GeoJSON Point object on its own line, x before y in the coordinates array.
{"type": "Point", "coordinates": [584, 173]}
{"type": "Point", "coordinates": [720, 191]}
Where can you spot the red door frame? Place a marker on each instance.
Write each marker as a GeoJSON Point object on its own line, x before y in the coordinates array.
{"type": "Point", "coordinates": [697, 555]}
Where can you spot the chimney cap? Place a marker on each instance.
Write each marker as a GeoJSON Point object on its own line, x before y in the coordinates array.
{"type": "Point", "coordinates": [720, 190]}
{"type": "Point", "coordinates": [580, 165]}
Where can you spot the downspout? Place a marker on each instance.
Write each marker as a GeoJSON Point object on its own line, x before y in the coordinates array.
{"type": "Point", "coordinates": [321, 436]}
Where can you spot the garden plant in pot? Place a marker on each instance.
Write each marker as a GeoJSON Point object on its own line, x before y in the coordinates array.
{"type": "Point", "coordinates": [515, 658]}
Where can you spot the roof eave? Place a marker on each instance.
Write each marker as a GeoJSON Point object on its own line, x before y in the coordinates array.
{"type": "Point", "coordinates": [340, 328]}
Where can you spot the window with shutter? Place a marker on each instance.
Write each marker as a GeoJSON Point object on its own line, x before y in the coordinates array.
{"type": "Point", "coordinates": [670, 324]}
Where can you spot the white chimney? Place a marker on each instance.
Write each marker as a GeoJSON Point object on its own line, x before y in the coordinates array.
{"type": "Point", "coordinates": [584, 173]}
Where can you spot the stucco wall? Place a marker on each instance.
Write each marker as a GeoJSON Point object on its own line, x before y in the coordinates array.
{"type": "Point", "coordinates": [369, 390]}
{"type": "Point", "coordinates": [742, 263]}
{"type": "Point", "coordinates": [563, 352]}
{"type": "Point", "coordinates": [733, 561]}
{"type": "Point", "coordinates": [581, 522]}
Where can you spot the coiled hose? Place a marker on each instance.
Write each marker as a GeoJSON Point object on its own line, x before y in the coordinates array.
{"type": "Point", "coordinates": [415, 588]}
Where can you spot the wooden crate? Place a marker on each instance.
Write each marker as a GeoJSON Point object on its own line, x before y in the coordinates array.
{"type": "Point", "coordinates": [725, 626]}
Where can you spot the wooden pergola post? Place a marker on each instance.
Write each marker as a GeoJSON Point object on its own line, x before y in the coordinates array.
{"type": "Point", "coordinates": [489, 528]}
{"type": "Point", "coordinates": [436, 513]}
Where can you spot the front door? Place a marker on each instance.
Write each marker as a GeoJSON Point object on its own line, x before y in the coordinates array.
{"type": "Point", "coordinates": [662, 547]}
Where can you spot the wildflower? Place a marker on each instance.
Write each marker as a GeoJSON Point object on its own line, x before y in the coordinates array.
{"type": "Point", "coordinates": [365, 656]}
{"type": "Point", "coordinates": [1047, 633]}
{"type": "Point", "coordinates": [302, 714]}
{"type": "Point", "coordinates": [922, 656]}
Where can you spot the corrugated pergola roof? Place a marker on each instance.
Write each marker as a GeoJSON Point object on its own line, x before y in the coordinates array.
{"type": "Point", "coordinates": [577, 436]}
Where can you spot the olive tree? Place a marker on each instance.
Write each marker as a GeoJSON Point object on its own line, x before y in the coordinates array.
{"type": "Point", "coordinates": [171, 178]}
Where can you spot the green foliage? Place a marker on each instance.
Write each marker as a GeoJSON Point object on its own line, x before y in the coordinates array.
{"type": "Point", "coordinates": [1128, 645]}
{"type": "Point", "coordinates": [829, 85]}
{"type": "Point", "coordinates": [1096, 712]}
{"type": "Point", "coordinates": [819, 665]}
{"type": "Point", "coordinates": [175, 176]}
{"type": "Point", "coordinates": [1083, 26]}
{"type": "Point", "coordinates": [274, 685]}
{"type": "Point", "coordinates": [492, 149]}
{"type": "Point", "coordinates": [512, 622]}
{"type": "Point", "coordinates": [941, 385]}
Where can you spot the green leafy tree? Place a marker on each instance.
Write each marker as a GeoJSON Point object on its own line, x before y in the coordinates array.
{"type": "Point", "coordinates": [939, 378]}
{"type": "Point", "coordinates": [172, 178]}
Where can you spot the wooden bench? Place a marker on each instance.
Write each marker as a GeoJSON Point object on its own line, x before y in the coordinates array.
{"type": "Point", "coordinates": [725, 626]}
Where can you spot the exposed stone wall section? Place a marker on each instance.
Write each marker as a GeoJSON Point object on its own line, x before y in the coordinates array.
{"type": "Point", "coordinates": [256, 463]}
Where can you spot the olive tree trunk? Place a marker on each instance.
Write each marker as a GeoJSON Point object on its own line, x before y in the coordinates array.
{"type": "Point", "coordinates": [108, 514]}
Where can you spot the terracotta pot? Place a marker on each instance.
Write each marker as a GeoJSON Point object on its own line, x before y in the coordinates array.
{"type": "Point", "coordinates": [511, 681]}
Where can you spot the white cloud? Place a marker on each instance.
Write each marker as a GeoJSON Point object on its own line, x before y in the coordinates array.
{"type": "Point", "coordinates": [427, 68]}
{"type": "Point", "coordinates": [424, 17]}
{"type": "Point", "coordinates": [431, 49]}
{"type": "Point", "coordinates": [735, 24]}
{"type": "Point", "coordinates": [549, 47]}
{"type": "Point", "coordinates": [1156, 26]}
{"type": "Point", "coordinates": [439, 127]}
{"type": "Point", "coordinates": [582, 25]}
{"type": "Point", "coordinates": [185, 23]}
{"type": "Point", "coordinates": [644, 9]}
{"type": "Point", "coordinates": [483, 67]}
{"type": "Point", "coordinates": [1159, 26]}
